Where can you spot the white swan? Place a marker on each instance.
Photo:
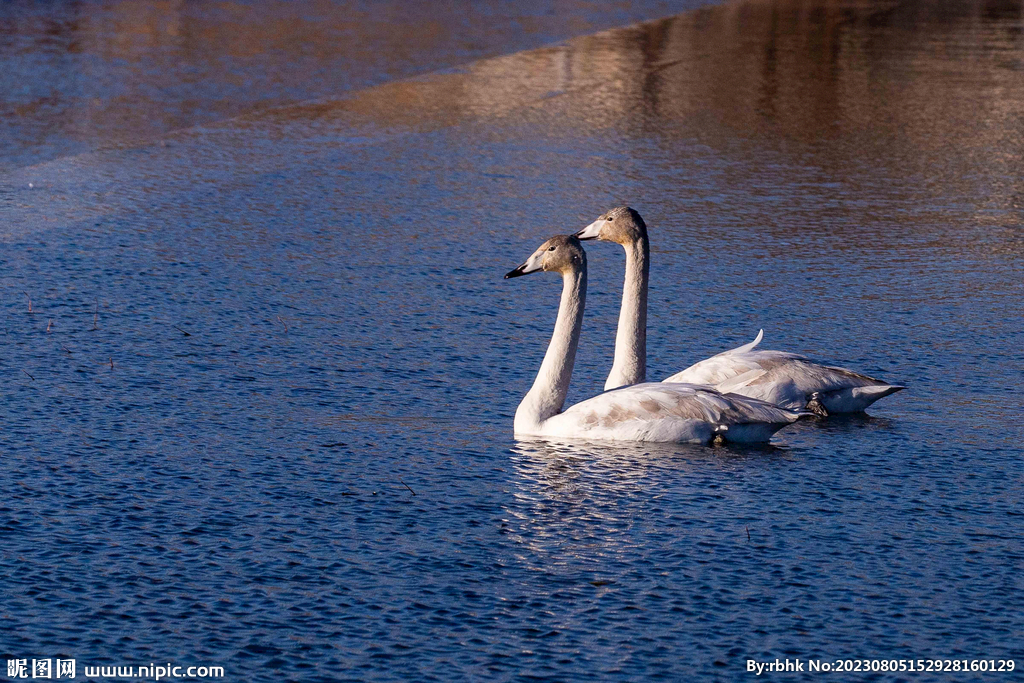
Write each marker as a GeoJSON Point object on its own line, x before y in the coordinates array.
{"type": "Point", "coordinates": [785, 379]}
{"type": "Point", "coordinates": [666, 412]}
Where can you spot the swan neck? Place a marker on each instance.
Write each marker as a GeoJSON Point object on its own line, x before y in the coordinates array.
{"type": "Point", "coordinates": [547, 396]}
{"type": "Point", "coordinates": [630, 365]}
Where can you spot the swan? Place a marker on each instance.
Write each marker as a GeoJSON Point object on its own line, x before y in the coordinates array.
{"type": "Point", "coordinates": [665, 412]}
{"type": "Point", "coordinates": [785, 379]}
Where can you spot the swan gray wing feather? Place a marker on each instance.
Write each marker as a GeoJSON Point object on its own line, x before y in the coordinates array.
{"type": "Point", "coordinates": [787, 379]}
{"type": "Point", "coordinates": [653, 401]}
{"type": "Point", "coordinates": [717, 369]}
{"type": "Point", "coordinates": [810, 376]}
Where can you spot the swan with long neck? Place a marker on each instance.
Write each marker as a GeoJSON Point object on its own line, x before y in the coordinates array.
{"type": "Point", "coordinates": [666, 412]}
{"type": "Point", "coordinates": [785, 379]}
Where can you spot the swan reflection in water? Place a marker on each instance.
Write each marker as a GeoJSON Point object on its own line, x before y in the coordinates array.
{"type": "Point", "coordinates": [595, 468]}
{"type": "Point", "coordinates": [576, 470]}
{"type": "Point", "coordinates": [575, 498]}
{"type": "Point", "coordinates": [576, 505]}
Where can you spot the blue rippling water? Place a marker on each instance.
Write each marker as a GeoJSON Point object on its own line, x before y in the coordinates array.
{"type": "Point", "coordinates": [259, 415]}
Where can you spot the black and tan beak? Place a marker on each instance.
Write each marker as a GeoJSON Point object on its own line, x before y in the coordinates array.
{"type": "Point", "coordinates": [590, 232]}
{"type": "Point", "coordinates": [518, 272]}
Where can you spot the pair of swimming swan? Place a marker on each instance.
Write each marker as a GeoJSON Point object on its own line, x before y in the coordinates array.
{"type": "Point", "coordinates": [743, 395]}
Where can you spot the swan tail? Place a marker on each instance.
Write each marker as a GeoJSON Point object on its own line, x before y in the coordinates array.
{"type": "Point", "coordinates": [855, 399]}
{"type": "Point", "coordinates": [750, 346]}
{"type": "Point", "coordinates": [877, 392]}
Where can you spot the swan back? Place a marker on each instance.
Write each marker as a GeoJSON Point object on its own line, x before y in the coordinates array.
{"type": "Point", "coordinates": [656, 411]}
{"type": "Point", "coordinates": [785, 379]}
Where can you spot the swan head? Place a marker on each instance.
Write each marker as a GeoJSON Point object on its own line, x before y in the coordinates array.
{"type": "Point", "coordinates": [561, 254]}
{"type": "Point", "coordinates": [621, 225]}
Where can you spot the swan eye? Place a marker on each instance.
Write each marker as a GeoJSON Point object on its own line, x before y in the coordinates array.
{"type": "Point", "coordinates": [611, 218]}
{"type": "Point", "coordinates": [551, 248]}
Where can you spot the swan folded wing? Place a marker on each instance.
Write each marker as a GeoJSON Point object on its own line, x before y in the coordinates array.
{"type": "Point", "coordinates": [739, 382]}
{"type": "Point", "coordinates": [668, 412]}
{"type": "Point", "coordinates": [747, 368]}
{"type": "Point", "coordinates": [806, 375]}
{"type": "Point", "coordinates": [725, 366]}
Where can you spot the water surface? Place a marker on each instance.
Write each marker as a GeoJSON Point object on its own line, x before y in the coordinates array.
{"type": "Point", "coordinates": [260, 412]}
{"type": "Point", "coordinates": [78, 74]}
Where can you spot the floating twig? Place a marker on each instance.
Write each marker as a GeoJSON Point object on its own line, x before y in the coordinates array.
{"type": "Point", "coordinates": [181, 330]}
{"type": "Point", "coordinates": [29, 301]}
{"type": "Point", "coordinates": [66, 349]}
{"type": "Point", "coordinates": [29, 374]}
{"type": "Point", "coordinates": [748, 532]}
{"type": "Point", "coordinates": [48, 323]}
{"type": "Point", "coordinates": [111, 363]}
{"type": "Point", "coordinates": [283, 323]}
{"type": "Point", "coordinates": [407, 486]}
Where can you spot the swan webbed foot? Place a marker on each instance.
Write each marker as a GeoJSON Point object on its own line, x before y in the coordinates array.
{"type": "Point", "coordinates": [816, 406]}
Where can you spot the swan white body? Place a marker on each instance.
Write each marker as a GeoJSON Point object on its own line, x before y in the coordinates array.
{"type": "Point", "coordinates": [665, 412]}
{"type": "Point", "coordinates": [785, 379]}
